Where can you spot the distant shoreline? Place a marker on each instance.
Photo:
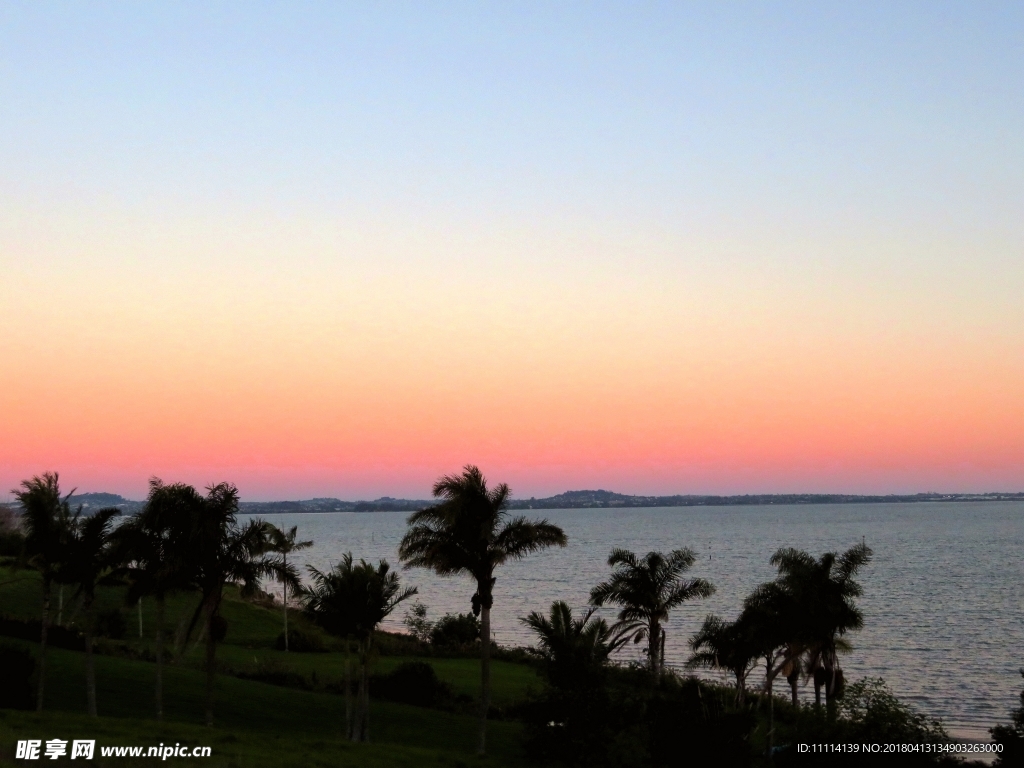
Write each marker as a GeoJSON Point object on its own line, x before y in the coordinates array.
{"type": "Point", "coordinates": [570, 500]}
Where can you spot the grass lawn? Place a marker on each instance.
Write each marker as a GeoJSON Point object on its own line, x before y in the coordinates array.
{"type": "Point", "coordinates": [243, 748]}
{"type": "Point", "coordinates": [125, 690]}
{"type": "Point", "coordinates": [256, 723]}
{"type": "Point", "coordinates": [252, 633]}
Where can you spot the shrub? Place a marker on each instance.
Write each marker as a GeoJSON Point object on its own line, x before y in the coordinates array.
{"type": "Point", "coordinates": [16, 667]}
{"type": "Point", "coordinates": [1011, 737]}
{"type": "Point", "coordinates": [11, 538]}
{"type": "Point", "coordinates": [414, 683]}
{"type": "Point", "coordinates": [455, 630]}
{"type": "Point", "coordinates": [302, 641]}
{"type": "Point", "coordinates": [29, 629]}
{"type": "Point", "coordinates": [111, 624]}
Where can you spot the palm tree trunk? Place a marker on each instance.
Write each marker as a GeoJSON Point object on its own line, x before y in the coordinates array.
{"type": "Point", "coordinates": [349, 731]}
{"type": "Point", "coordinates": [211, 668]}
{"type": "Point", "coordinates": [793, 679]}
{"type": "Point", "coordinates": [90, 662]}
{"type": "Point", "coordinates": [366, 695]}
{"type": "Point", "coordinates": [44, 626]}
{"type": "Point", "coordinates": [485, 676]}
{"type": "Point", "coordinates": [284, 600]}
{"type": "Point", "coordinates": [60, 606]}
{"type": "Point", "coordinates": [741, 689]}
{"type": "Point", "coordinates": [653, 643]}
{"type": "Point", "coordinates": [159, 657]}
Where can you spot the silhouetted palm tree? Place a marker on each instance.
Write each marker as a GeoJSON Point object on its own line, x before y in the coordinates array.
{"type": "Point", "coordinates": [573, 650]}
{"type": "Point", "coordinates": [222, 552]}
{"type": "Point", "coordinates": [47, 521]}
{"type": "Point", "coordinates": [646, 589]}
{"type": "Point", "coordinates": [351, 601]}
{"type": "Point", "coordinates": [90, 556]}
{"type": "Point", "coordinates": [732, 646]}
{"type": "Point", "coordinates": [284, 544]}
{"type": "Point", "coordinates": [823, 592]}
{"type": "Point", "coordinates": [469, 532]}
{"type": "Point", "coordinates": [153, 547]}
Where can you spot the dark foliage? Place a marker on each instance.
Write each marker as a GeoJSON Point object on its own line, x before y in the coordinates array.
{"type": "Point", "coordinates": [456, 631]}
{"type": "Point", "coordinates": [28, 629]}
{"type": "Point", "coordinates": [302, 641]}
{"type": "Point", "coordinates": [415, 683]}
{"type": "Point", "coordinates": [868, 713]}
{"type": "Point", "coordinates": [627, 722]}
{"type": "Point", "coordinates": [16, 668]}
{"type": "Point", "coordinates": [111, 624]}
{"type": "Point", "coordinates": [1011, 737]}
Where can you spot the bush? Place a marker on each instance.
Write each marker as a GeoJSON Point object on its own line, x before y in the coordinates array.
{"type": "Point", "coordinates": [11, 538]}
{"type": "Point", "coordinates": [302, 641]}
{"type": "Point", "coordinates": [414, 683]}
{"type": "Point", "coordinates": [111, 624]}
{"type": "Point", "coordinates": [455, 630]}
{"type": "Point", "coordinates": [219, 628]}
{"type": "Point", "coordinates": [16, 668]}
{"type": "Point", "coordinates": [1011, 737]}
{"type": "Point", "coordinates": [29, 629]}
{"type": "Point", "coordinates": [273, 672]}
{"type": "Point", "coordinates": [867, 713]}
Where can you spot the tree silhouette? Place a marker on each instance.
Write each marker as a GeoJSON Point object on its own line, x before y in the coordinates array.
{"type": "Point", "coordinates": [90, 556]}
{"type": "Point", "coordinates": [733, 646]}
{"type": "Point", "coordinates": [284, 544]}
{"type": "Point", "coordinates": [222, 552]}
{"type": "Point", "coordinates": [153, 550]}
{"type": "Point", "coordinates": [646, 589]}
{"type": "Point", "coordinates": [48, 522]}
{"type": "Point", "coordinates": [573, 650]}
{"type": "Point", "coordinates": [350, 601]}
{"type": "Point", "coordinates": [822, 593]}
{"type": "Point", "coordinates": [468, 532]}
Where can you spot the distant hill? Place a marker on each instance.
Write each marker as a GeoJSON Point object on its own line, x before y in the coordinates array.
{"type": "Point", "coordinates": [599, 499]}
{"type": "Point", "coordinates": [93, 502]}
{"type": "Point", "coordinates": [608, 499]}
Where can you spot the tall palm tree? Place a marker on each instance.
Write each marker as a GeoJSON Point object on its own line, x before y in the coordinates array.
{"type": "Point", "coordinates": [469, 532]}
{"type": "Point", "coordinates": [284, 544]}
{"type": "Point", "coordinates": [646, 589]}
{"type": "Point", "coordinates": [351, 601]}
{"type": "Point", "coordinates": [47, 521]}
{"type": "Point", "coordinates": [824, 593]}
{"type": "Point", "coordinates": [222, 552]}
{"type": "Point", "coordinates": [153, 548]}
{"type": "Point", "coordinates": [573, 649]}
{"type": "Point", "coordinates": [89, 557]}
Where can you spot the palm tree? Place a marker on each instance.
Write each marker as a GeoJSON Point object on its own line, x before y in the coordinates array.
{"type": "Point", "coordinates": [468, 532]}
{"type": "Point", "coordinates": [284, 544]}
{"type": "Point", "coordinates": [733, 646]}
{"type": "Point", "coordinates": [89, 557]}
{"type": "Point", "coordinates": [823, 592]}
{"type": "Point", "coordinates": [573, 650]}
{"type": "Point", "coordinates": [647, 589]}
{"type": "Point", "coordinates": [47, 522]}
{"type": "Point", "coordinates": [351, 601]}
{"type": "Point", "coordinates": [152, 545]}
{"type": "Point", "coordinates": [221, 552]}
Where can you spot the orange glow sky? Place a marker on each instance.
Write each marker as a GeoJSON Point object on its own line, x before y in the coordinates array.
{"type": "Point", "coordinates": [217, 305]}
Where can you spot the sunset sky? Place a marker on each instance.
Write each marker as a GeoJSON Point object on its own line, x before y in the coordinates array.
{"type": "Point", "coordinates": [328, 250]}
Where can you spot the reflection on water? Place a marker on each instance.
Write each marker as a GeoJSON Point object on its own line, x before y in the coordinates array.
{"type": "Point", "coordinates": [943, 603]}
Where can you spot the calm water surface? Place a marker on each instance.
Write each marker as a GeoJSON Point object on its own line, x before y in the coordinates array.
{"type": "Point", "coordinates": [943, 600]}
